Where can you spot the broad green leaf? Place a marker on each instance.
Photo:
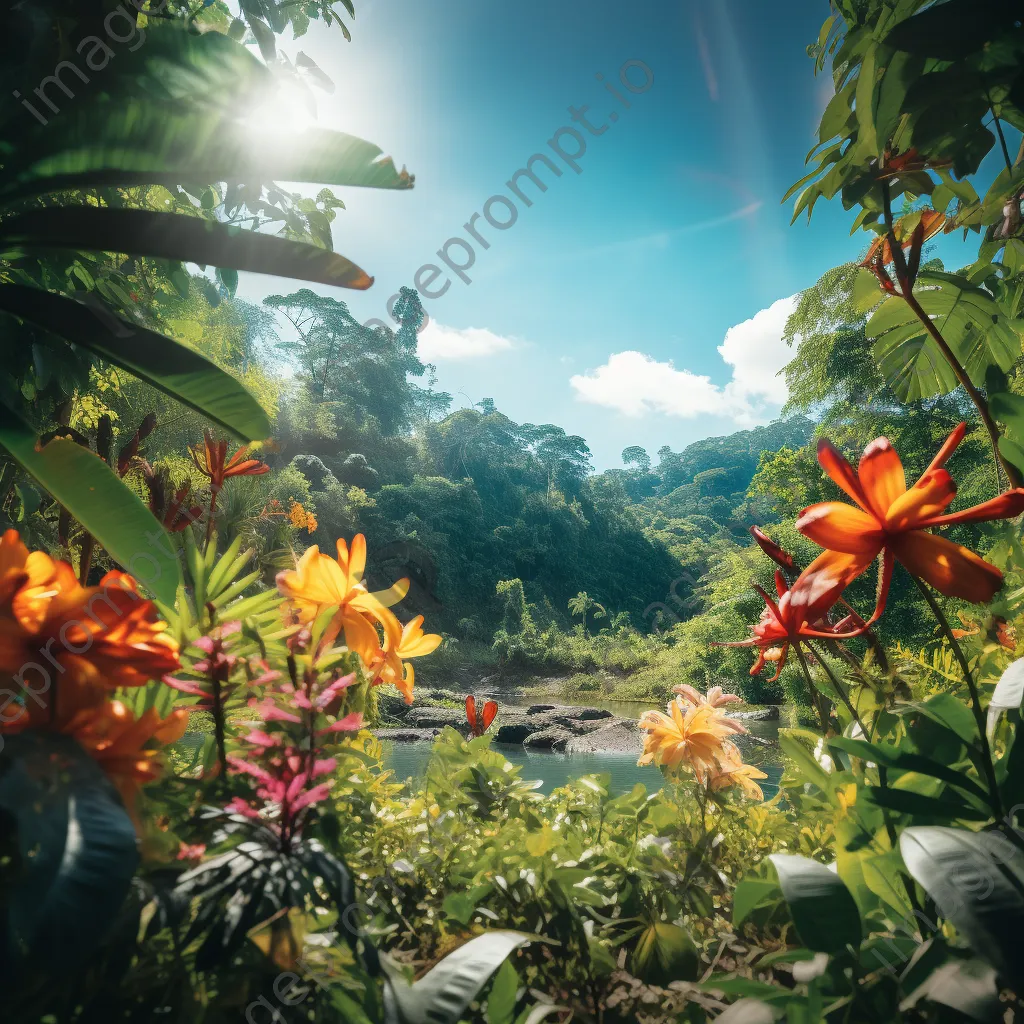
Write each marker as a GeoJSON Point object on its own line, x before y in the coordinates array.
{"type": "Point", "coordinates": [165, 364]}
{"type": "Point", "coordinates": [86, 486]}
{"type": "Point", "coordinates": [866, 292]}
{"type": "Point", "coordinates": [969, 986]}
{"type": "Point", "coordinates": [443, 993]}
{"type": "Point", "coordinates": [920, 805]}
{"type": "Point", "coordinates": [975, 880]}
{"type": "Point", "coordinates": [800, 745]}
{"type": "Point", "coordinates": [77, 847]}
{"type": "Point", "coordinates": [749, 894]}
{"type": "Point", "coordinates": [501, 1003]}
{"type": "Point", "coordinates": [824, 912]}
{"type": "Point", "coordinates": [951, 713]}
{"type": "Point", "coordinates": [1008, 409]}
{"type": "Point", "coordinates": [178, 237]}
{"type": "Point", "coordinates": [665, 953]}
{"type": "Point", "coordinates": [137, 141]}
{"type": "Point", "coordinates": [893, 757]}
{"type": "Point", "coordinates": [1012, 452]}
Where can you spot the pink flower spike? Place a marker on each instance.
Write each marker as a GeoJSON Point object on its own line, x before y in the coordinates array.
{"type": "Point", "coordinates": [323, 767]}
{"type": "Point", "coordinates": [244, 767]}
{"type": "Point", "coordinates": [270, 712]}
{"type": "Point", "coordinates": [187, 686]}
{"type": "Point", "coordinates": [267, 677]}
{"type": "Point", "coordinates": [238, 806]}
{"type": "Point", "coordinates": [296, 786]}
{"type": "Point", "coordinates": [335, 688]}
{"type": "Point", "coordinates": [258, 738]}
{"type": "Point", "coordinates": [352, 722]}
{"type": "Point", "coordinates": [312, 796]}
{"type": "Point", "coordinates": [302, 701]}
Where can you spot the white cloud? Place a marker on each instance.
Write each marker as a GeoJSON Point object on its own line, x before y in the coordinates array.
{"type": "Point", "coordinates": [438, 342]}
{"type": "Point", "coordinates": [636, 384]}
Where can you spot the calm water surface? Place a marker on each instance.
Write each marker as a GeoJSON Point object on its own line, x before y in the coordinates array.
{"type": "Point", "coordinates": [409, 760]}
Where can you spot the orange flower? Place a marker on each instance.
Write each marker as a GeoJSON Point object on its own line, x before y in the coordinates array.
{"type": "Point", "coordinates": [716, 697]}
{"type": "Point", "coordinates": [123, 745]}
{"type": "Point", "coordinates": [742, 775]}
{"type": "Point", "coordinates": [892, 519]}
{"type": "Point", "coordinates": [301, 518]}
{"type": "Point", "coordinates": [698, 736]}
{"type": "Point", "coordinates": [68, 645]}
{"type": "Point", "coordinates": [413, 643]}
{"type": "Point", "coordinates": [211, 460]}
{"type": "Point", "coordinates": [319, 582]}
{"type": "Point", "coordinates": [801, 612]}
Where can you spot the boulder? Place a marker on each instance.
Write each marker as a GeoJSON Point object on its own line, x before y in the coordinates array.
{"type": "Point", "coordinates": [426, 717]}
{"type": "Point", "coordinates": [765, 714]}
{"type": "Point", "coordinates": [620, 736]}
{"type": "Point", "coordinates": [553, 738]}
{"type": "Point", "coordinates": [407, 735]}
{"type": "Point", "coordinates": [515, 732]}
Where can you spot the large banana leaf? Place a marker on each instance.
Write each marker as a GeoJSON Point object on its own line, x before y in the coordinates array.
{"type": "Point", "coordinates": [176, 237]}
{"type": "Point", "coordinates": [83, 483]}
{"type": "Point", "coordinates": [77, 850]}
{"type": "Point", "coordinates": [139, 141]}
{"type": "Point", "coordinates": [166, 364]}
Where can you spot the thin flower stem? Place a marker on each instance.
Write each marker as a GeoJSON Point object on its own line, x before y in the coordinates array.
{"type": "Point", "coordinates": [976, 708]}
{"type": "Point", "coordinates": [907, 294]}
{"type": "Point", "coordinates": [815, 695]}
{"type": "Point", "coordinates": [839, 688]}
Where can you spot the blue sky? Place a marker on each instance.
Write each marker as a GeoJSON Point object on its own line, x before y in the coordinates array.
{"type": "Point", "coordinates": [604, 307]}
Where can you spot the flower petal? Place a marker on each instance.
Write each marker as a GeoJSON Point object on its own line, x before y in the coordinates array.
{"type": "Point", "coordinates": [1007, 505]}
{"type": "Point", "coordinates": [818, 587]}
{"type": "Point", "coordinates": [951, 569]}
{"type": "Point", "coordinates": [948, 447]}
{"type": "Point", "coordinates": [929, 497]}
{"type": "Point", "coordinates": [840, 472]}
{"type": "Point", "coordinates": [841, 527]}
{"type": "Point", "coordinates": [881, 475]}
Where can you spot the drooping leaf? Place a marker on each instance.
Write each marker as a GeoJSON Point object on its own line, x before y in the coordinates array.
{"type": "Point", "coordinates": [162, 362]}
{"type": "Point", "coordinates": [824, 912]}
{"type": "Point", "coordinates": [443, 993]}
{"type": "Point", "coordinates": [100, 501]}
{"type": "Point", "coordinates": [136, 141]}
{"type": "Point", "coordinates": [968, 986]}
{"type": "Point", "coordinates": [178, 237]}
{"type": "Point", "coordinates": [976, 883]}
{"type": "Point", "coordinates": [76, 847]}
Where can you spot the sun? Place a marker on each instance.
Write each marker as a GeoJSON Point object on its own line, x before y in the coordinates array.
{"type": "Point", "coordinates": [282, 113]}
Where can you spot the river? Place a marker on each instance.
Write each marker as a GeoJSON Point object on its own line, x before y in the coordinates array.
{"type": "Point", "coordinates": [409, 760]}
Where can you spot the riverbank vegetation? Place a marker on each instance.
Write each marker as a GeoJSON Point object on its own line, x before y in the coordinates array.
{"type": "Point", "coordinates": [230, 528]}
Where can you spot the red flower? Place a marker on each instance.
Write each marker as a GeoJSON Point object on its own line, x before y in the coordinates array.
{"type": "Point", "coordinates": [479, 724]}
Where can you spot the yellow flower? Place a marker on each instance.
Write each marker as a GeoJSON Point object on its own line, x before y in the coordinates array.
{"type": "Point", "coordinates": [319, 582]}
{"type": "Point", "coordinates": [394, 667]}
{"type": "Point", "coordinates": [742, 775]}
{"type": "Point", "coordinates": [696, 735]}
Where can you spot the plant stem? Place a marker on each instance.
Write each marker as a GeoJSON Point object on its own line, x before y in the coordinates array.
{"type": "Point", "coordinates": [815, 695]}
{"type": "Point", "coordinates": [85, 561]}
{"type": "Point", "coordinates": [1002, 139]}
{"type": "Point", "coordinates": [839, 688]}
{"type": "Point", "coordinates": [907, 294]}
{"type": "Point", "coordinates": [979, 714]}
